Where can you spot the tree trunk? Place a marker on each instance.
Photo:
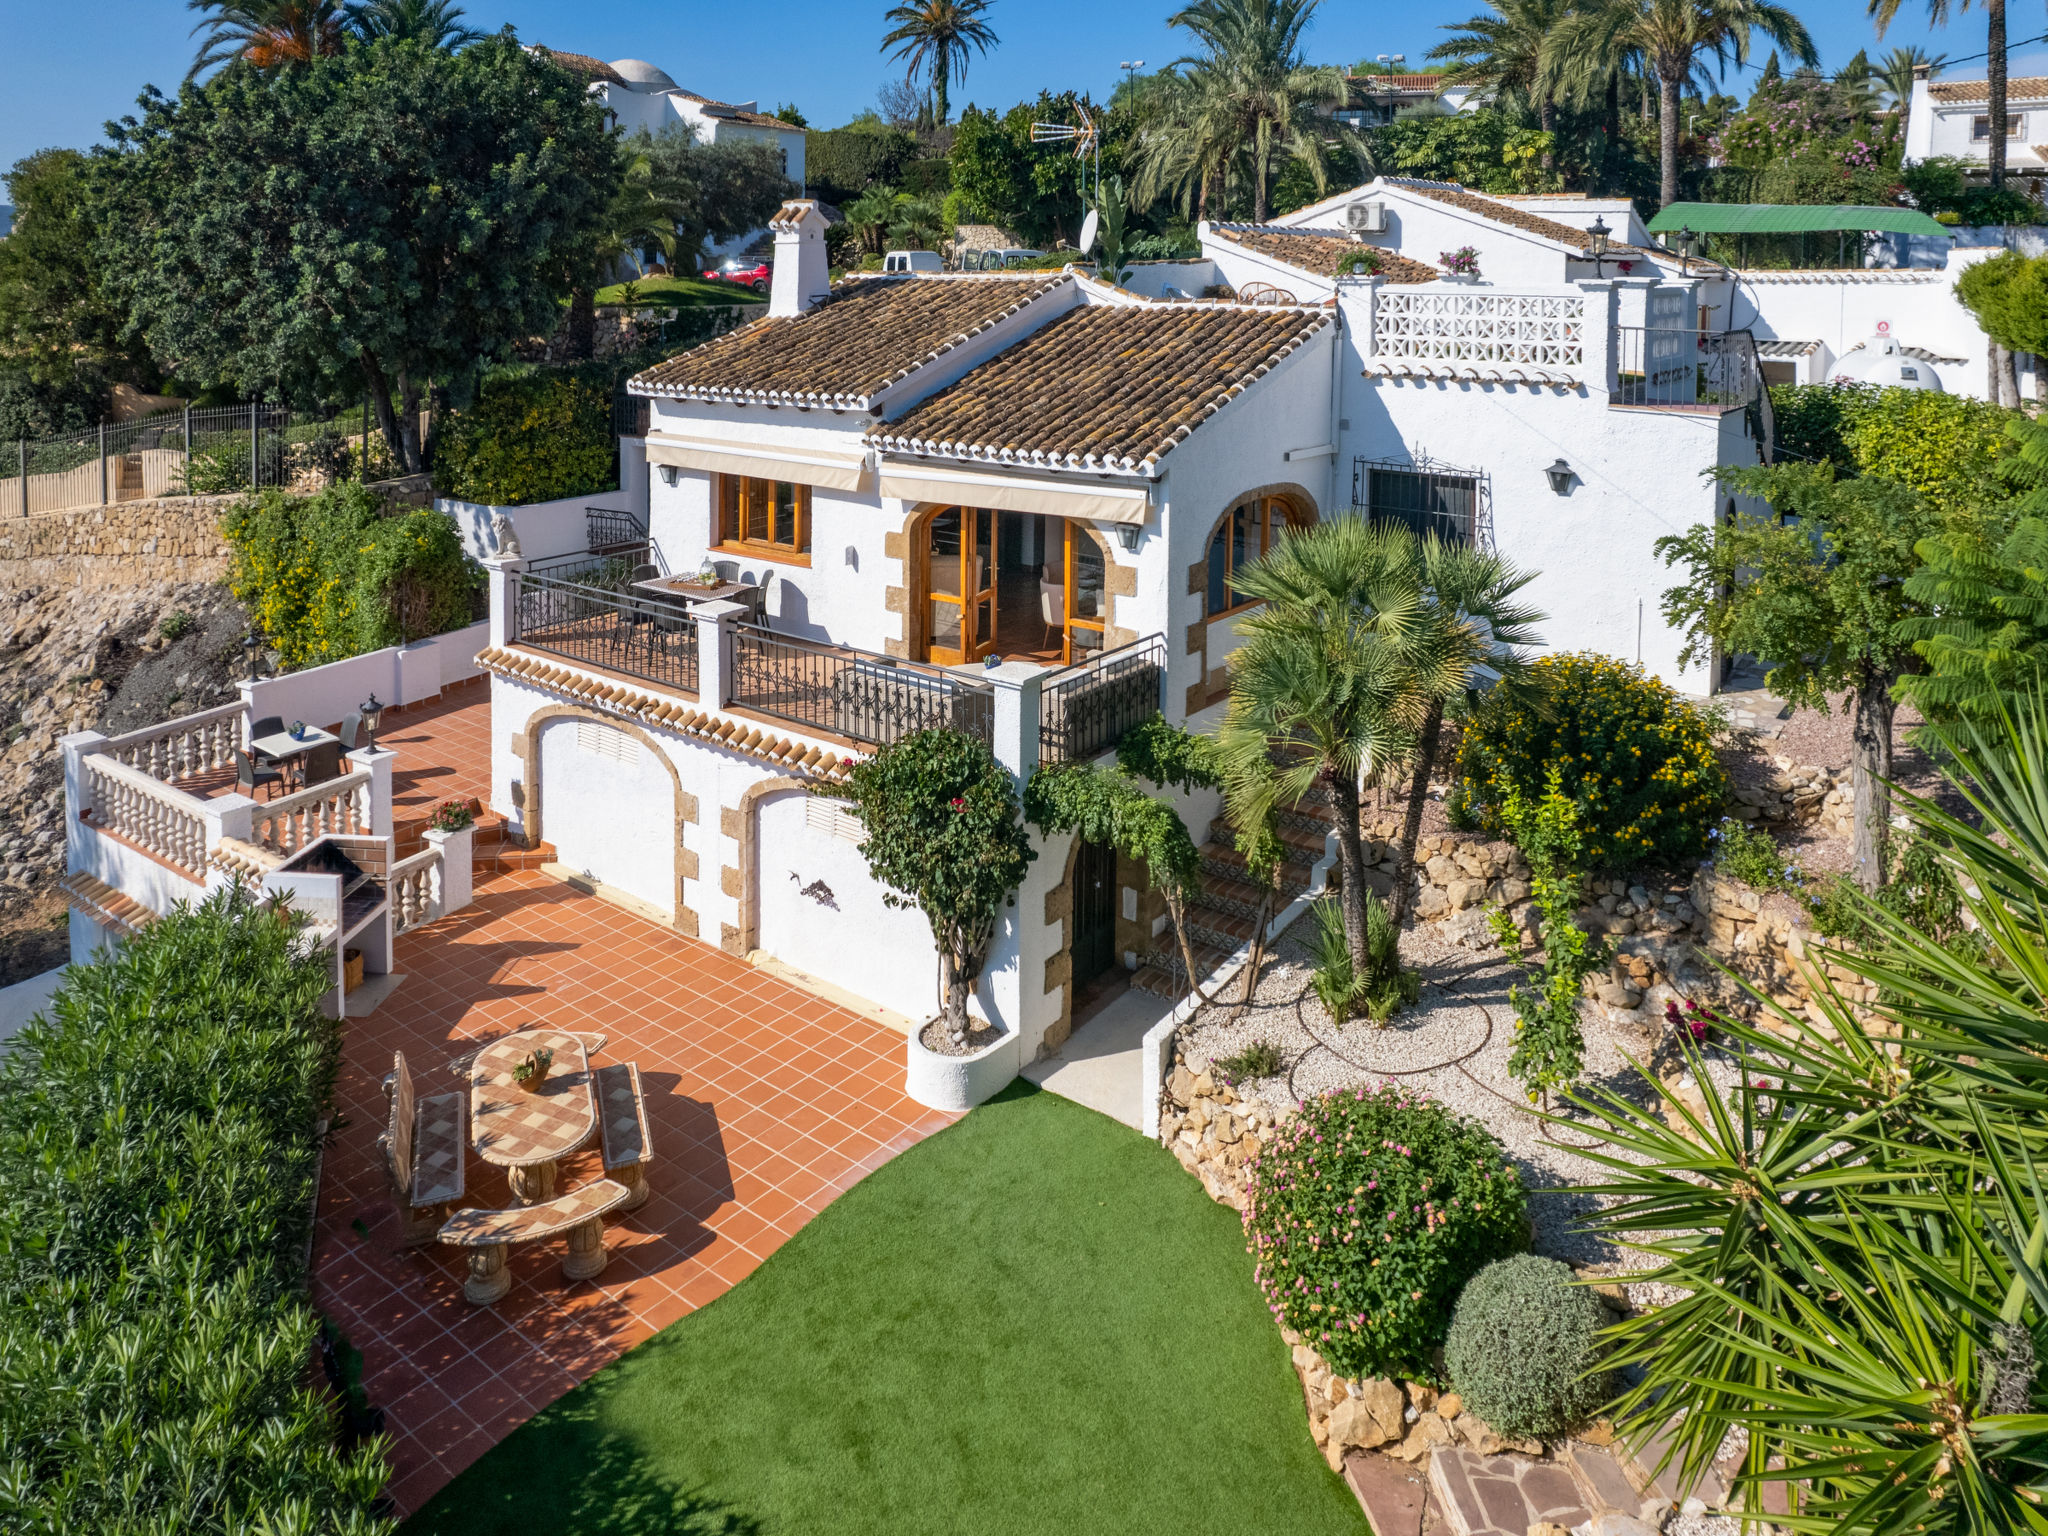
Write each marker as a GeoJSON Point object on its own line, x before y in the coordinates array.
{"type": "Point", "coordinates": [1994, 79]}
{"type": "Point", "coordinates": [1411, 821]}
{"type": "Point", "coordinates": [2008, 378]}
{"type": "Point", "coordinates": [1667, 133]}
{"type": "Point", "coordinates": [1258, 954]}
{"type": "Point", "coordinates": [581, 337]}
{"type": "Point", "coordinates": [392, 423]}
{"type": "Point", "coordinates": [1177, 911]}
{"type": "Point", "coordinates": [409, 425]}
{"type": "Point", "coordinates": [1546, 119]}
{"type": "Point", "coordinates": [1612, 126]}
{"type": "Point", "coordinates": [942, 108]}
{"type": "Point", "coordinates": [1259, 169]}
{"type": "Point", "coordinates": [1871, 770]}
{"type": "Point", "coordinates": [1351, 856]}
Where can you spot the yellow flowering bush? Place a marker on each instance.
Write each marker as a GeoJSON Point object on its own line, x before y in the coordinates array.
{"type": "Point", "coordinates": [1635, 759]}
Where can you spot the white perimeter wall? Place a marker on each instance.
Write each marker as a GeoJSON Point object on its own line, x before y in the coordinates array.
{"type": "Point", "coordinates": [545, 528]}
{"type": "Point", "coordinates": [398, 674]}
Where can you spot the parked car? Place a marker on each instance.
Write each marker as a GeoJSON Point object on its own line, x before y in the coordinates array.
{"type": "Point", "coordinates": [913, 261]}
{"type": "Point", "coordinates": [996, 261]}
{"type": "Point", "coordinates": [754, 276]}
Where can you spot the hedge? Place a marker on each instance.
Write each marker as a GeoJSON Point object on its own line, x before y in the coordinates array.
{"type": "Point", "coordinates": [1946, 447]}
{"type": "Point", "coordinates": [527, 438]}
{"type": "Point", "coordinates": [159, 1149]}
{"type": "Point", "coordinates": [842, 163]}
{"type": "Point", "coordinates": [330, 576]}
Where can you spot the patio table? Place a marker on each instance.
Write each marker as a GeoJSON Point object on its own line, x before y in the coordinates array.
{"type": "Point", "coordinates": [282, 746]}
{"type": "Point", "coordinates": [690, 590]}
{"type": "Point", "coordinates": [528, 1133]}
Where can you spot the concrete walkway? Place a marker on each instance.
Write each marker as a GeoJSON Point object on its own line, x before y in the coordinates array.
{"type": "Point", "coordinates": [1100, 1065]}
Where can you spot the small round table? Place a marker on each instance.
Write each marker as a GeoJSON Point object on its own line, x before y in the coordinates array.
{"type": "Point", "coordinates": [528, 1133]}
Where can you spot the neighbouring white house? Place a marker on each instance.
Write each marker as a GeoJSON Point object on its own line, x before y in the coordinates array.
{"type": "Point", "coordinates": [1376, 100]}
{"type": "Point", "coordinates": [1953, 118]}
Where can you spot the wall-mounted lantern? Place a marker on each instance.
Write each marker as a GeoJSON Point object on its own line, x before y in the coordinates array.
{"type": "Point", "coordinates": [668, 474]}
{"type": "Point", "coordinates": [1560, 477]}
{"type": "Point", "coordinates": [1127, 534]}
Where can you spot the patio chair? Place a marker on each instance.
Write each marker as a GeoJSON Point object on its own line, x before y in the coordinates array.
{"type": "Point", "coordinates": [622, 1123]}
{"type": "Point", "coordinates": [489, 1235]}
{"type": "Point", "coordinates": [422, 1149]}
{"type": "Point", "coordinates": [320, 763]}
{"type": "Point", "coordinates": [249, 773]}
{"type": "Point", "coordinates": [266, 725]}
{"type": "Point", "coordinates": [1052, 607]}
{"type": "Point", "coordinates": [352, 731]}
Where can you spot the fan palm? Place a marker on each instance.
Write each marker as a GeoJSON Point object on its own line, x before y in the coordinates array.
{"type": "Point", "coordinates": [870, 215]}
{"type": "Point", "coordinates": [1676, 38]}
{"type": "Point", "coordinates": [918, 224]}
{"type": "Point", "coordinates": [1855, 1231]}
{"type": "Point", "coordinates": [1504, 53]}
{"type": "Point", "coordinates": [934, 37]}
{"type": "Point", "coordinates": [265, 33]}
{"type": "Point", "coordinates": [437, 23]}
{"type": "Point", "coordinates": [1895, 74]}
{"type": "Point", "coordinates": [1883, 12]}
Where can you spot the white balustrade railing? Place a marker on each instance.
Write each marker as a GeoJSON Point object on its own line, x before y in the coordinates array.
{"type": "Point", "coordinates": [1479, 327]}
{"type": "Point", "coordinates": [184, 748]}
{"type": "Point", "coordinates": [287, 824]}
{"type": "Point", "coordinates": [415, 887]}
{"type": "Point", "coordinates": [153, 815]}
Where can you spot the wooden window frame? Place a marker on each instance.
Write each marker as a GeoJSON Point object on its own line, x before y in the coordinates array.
{"type": "Point", "coordinates": [1275, 510]}
{"type": "Point", "coordinates": [732, 500]}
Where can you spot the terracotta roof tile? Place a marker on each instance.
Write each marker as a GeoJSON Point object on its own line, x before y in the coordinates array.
{"type": "Point", "coordinates": [1501, 213]}
{"type": "Point", "coordinates": [727, 110]}
{"type": "Point", "coordinates": [583, 64]}
{"type": "Point", "coordinates": [1104, 386]}
{"type": "Point", "coordinates": [1319, 250]}
{"type": "Point", "coordinates": [1959, 92]}
{"type": "Point", "coordinates": [106, 905]}
{"type": "Point", "coordinates": [866, 335]}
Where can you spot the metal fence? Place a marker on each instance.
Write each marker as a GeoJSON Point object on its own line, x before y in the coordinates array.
{"type": "Point", "coordinates": [1687, 369]}
{"type": "Point", "coordinates": [643, 637]}
{"type": "Point", "coordinates": [855, 694]}
{"type": "Point", "coordinates": [183, 453]}
{"type": "Point", "coordinates": [1088, 708]}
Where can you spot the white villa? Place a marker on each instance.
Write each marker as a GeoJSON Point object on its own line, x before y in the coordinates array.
{"type": "Point", "coordinates": [1953, 118]}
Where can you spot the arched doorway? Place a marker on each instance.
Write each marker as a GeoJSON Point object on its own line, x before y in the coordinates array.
{"type": "Point", "coordinates": [1026, 585]}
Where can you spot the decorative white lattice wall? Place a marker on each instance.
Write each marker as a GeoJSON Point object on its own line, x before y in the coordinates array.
{"type": "Point", "coordinates": [1474, 326]}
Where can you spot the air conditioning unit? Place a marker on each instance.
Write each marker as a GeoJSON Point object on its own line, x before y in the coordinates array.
{"type": "Point", "coordinates": [1366, 218]}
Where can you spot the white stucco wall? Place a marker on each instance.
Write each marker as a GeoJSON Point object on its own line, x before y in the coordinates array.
{"type": "Point", "coordinates": [610, 818]}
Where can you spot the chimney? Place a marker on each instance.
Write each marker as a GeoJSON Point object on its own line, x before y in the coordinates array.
{"type": "Point", "coordinates": [802, 276]}
{"type": "Point", "coordinates": [1922, 71]}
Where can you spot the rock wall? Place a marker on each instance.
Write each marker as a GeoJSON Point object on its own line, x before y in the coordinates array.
{"type": "Point", "coordinates": [1797, 793]}
{"type": "Point", "coordinates": [128, 544]}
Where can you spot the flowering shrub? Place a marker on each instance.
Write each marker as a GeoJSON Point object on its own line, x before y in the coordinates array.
{"type": "Point", "coordinates": [1635, 759]}
{"type": "Point", "coordinates": [1690, 1017]}
{"type": "Point", "coordinates": [1463, 262]}
{"type": "Point", "coordinates": [452, 816]}
{"type": "Point", "coordinates": [1751, 855]}
{"type": "Point", "coordinates": [1367, 1213]}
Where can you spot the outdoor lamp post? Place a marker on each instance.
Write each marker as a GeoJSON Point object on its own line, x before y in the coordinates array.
{"type": "Point", "coordinates": [1598, 234]}
{"type": "Point", "coordinates": [373, 716]}
{"type": "Point", "coordinates": [250, 647]}
{"type": "Point", "coordinates": [1686, 241]}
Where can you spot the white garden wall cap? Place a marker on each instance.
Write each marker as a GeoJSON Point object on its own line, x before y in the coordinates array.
{"type": "Point", "coordinates": [1406, 368]}
{"type": "Point", "coordinates": [1104, 387]}
{"type": "Point", "coordinates": [106, 906]}
{"type": "Point", "coordinates": [1775, 347]}
{"type": "Point", "coordinates": [1919, 354]}
{"type": "Point", "coordinates": [1827, 275]}
{"type": "Point", "coordinates": [860, 339]}
{"type": "Point", "coordinates": [805, 759]}
{"type": "Point", "coordinates": [240, 858]}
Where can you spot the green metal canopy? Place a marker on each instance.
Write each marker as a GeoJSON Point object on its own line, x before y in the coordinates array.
{"type": "Point", "coordinates": [1789, 219]}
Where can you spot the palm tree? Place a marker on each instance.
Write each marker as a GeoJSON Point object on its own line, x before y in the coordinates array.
{"type": "Point", "coordinates": [638, 216]}
{"type": "Point", "coordinates": [1253, 92]}
{"type": "Point", "coordinates": [437, 23]}
{"type": "Point", "coordinates": [1895, 74]}
{"type": "Point", "coordinates": [265, 33]}
{"type": "Point", "coordinates": [1884, 11]}
{"type": "Point", "coordinates": [1319, 694]}
{"type": "Point", "coordinates": [869, 215]}
{"type": "Point", "coordinates": [1675, 38]}
{"type": "Point", "coordinates": [1505, 54]}
{"type": "Point", "coordinates": [933, 37]}
{"type": "Point", "coordinates": [918, 224]}
{"type": "Point", "coordinates": [1185, 144]}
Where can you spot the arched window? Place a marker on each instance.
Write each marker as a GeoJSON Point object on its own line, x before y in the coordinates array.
{"type": "Point", "coordinates": [1252, 527]}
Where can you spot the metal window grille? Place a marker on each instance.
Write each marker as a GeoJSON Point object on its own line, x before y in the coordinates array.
{"type": "Point", "coordinates": [1090, 707]}
{"type": "Point", "coordinates": [1428, 498]}
{"type": "Point", "coordinates": [850, 693]}
{"type": "Point", "coordinates": [641, 637]}
{"type": "Point", "coordinates": [1475, 326]}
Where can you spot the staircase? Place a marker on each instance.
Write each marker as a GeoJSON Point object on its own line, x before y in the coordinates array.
{"type": "Point", "coordinates": [495, 850]}
{"type": "Point", "coordinates": [1222, 915]}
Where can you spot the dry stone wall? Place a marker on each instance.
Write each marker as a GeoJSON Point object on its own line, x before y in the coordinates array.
{"type": "Point", "coordinates": [127, 544]}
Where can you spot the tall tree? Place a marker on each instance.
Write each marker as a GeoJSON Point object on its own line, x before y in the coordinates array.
{"type": "Point", "coordinates": [1884, 12]}
{"type": "Point", "coordinates": [1895, 73]}
{"type": "Point", "coordinates": [437, 23]}
{"type": "Point", "coordinates": [1676, 38]}
{"type": "Point", "coordinates": [1504, 52]}
{"type": "Point", "coordinates": [934, 38]}
{"type": "Point", "coordinates": [55, 318]}
{"type": "Point", "coordinates": [394, 214]}
{"type": "Point", "coordinates": [265, 33]}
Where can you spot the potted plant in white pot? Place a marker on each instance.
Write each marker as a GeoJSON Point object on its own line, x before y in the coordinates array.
{"type": "Point", "coordinates": [944, 837]}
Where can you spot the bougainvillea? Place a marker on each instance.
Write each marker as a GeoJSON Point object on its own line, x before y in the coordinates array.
{"type": "Point", "coordinates": [1367, 1212]}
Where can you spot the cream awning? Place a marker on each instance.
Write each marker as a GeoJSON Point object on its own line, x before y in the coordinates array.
{"type": "Point", "coordinates": [1006, 493]}
{"type": "Point", "coordinates": [834, 471]}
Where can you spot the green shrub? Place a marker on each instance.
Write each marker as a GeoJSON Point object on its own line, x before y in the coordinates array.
{"type": "Point", "coordinates": [842, 163]}
{"type": "Point", "coordinates": [1261, 1058]}
{"type": "Point", "coordinates": [1524, 1350]}
{"type": "Point", "coordinates": [159, 1147]}
{"type": "Point", "coordinates": [536, 437]}
{"type": "Point", "coordinates": [1367, 1212]}
{"type": "Point", "coordinates": [1385, 989]}
{"type": "Point", "coordinates": [1635, 760]}
{"type": "Point", "coordinates": [1751, 855]}
{"type": "Point", "coordinates": [333, 575]}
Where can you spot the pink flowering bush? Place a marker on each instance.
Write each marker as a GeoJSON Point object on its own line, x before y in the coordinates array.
{"type": "Point", "coordinates": [1367, 1212]}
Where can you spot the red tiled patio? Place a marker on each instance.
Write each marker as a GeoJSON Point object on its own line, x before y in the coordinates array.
{"type": "Point", "coordinates": [764, 1103]}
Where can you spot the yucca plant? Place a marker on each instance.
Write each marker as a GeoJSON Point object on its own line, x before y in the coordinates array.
{"type": "Point", "coordinates": [1858, 1227]}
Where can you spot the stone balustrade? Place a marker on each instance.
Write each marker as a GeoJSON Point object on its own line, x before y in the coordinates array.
{"type": "Point", "coordinates": [340, 805]}
{"type": "Point", "coordinates": [161, 819]}
{"type": "Point", "coordinates": [415, 886]}
{"type": "Point", "coordinates": [185, 748]}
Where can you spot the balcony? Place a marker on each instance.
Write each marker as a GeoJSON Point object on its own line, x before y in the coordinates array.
{"type": "Point", "coordinates": [1687, 370]}
{"type": "Point", "coordinates": [871, 699]}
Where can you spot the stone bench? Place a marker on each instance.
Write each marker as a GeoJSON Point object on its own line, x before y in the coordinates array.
{"type": "Point", "coordinates": [423, 1149]}
{"type": "Point", "coordinates": [489, 1235]}
{"type": "Point", "coordinates": [622, 1119]}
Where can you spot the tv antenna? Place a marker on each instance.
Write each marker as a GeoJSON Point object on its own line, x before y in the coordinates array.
{"type": "Point", "coordinates": [1086, 139]}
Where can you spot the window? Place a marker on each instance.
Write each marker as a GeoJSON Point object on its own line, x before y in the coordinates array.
{"type": "Point", "coordinates": [768, 517]}
{"type": "Point", "coordinates": [2015, 125]}
{"type": "Point", "coordinates": [1241, 540]}
{"type": "Point", "coordinates": [1427, 501]}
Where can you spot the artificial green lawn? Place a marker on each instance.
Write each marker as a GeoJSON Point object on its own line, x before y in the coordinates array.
{"type": "Point", "coordinates": [683, 291]}
{"type": "Point", "coordinates": [1034, 1321]}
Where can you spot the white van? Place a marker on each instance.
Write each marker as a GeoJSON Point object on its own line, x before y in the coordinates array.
{"type": "Point", "coordinates": [996, 261]}
{"type": "Point", "coordinates": [912, 261]}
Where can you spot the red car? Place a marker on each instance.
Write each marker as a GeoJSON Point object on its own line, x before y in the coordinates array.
{"type": "Point", "coordinates": [754, 277]}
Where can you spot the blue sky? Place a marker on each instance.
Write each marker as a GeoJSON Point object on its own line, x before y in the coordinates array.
{"type": "Point", "coordinates": [68, 71]}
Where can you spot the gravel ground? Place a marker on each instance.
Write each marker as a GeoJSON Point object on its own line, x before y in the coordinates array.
{"type": "Point", "coordinates": [1454, 1044]}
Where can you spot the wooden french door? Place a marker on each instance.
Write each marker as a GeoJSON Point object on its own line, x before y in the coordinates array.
{"type": "Point", "coordinates": [960, 549]}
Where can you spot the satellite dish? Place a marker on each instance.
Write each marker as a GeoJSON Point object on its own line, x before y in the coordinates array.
{"type": "Point", "coordinates": [1088, 230]}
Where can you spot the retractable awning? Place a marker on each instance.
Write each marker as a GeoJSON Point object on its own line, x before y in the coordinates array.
{"type": "Point", "coordinates": [1095, 501]}
{"type": "Point", "coordinates": [1790, 219]}
{"type": "Point", "coordinates": [835, 471]}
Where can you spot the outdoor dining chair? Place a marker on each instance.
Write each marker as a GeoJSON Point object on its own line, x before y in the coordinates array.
{"type": "Point", "coordinates": [320, 763]}
{"type": "Point", "coordinates": [352, 731]}
{"type": "Point", "coordinates": [266, 725]}
{"type": "Point", "coordinates": [249, 773]}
